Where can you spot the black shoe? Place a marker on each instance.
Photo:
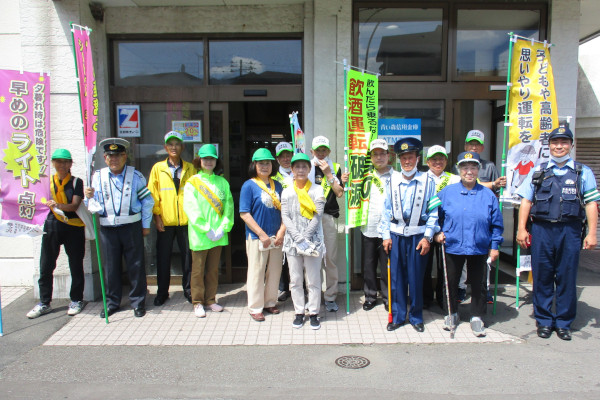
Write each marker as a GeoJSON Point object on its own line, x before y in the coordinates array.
{"type": "Point", "coordinates": [564, 334]}
{"type": "Point", "coordinates": [283, 296]}
{"type": "Point", "coordinates": [368, 305]}
{"type": "Point", "coordinates": [188, 296]}
{"type": "Point", "coordinates": [139, 312]}
{"type": "Point", "coordinates": [392, 326]}
{"type": "Point", "coordinates": [544, 332]}
{"type": "Point", "coordinates": [419, 327]}
{"type": "Point", "coordinates": [160, 300]}
{"type": "Point", "coordinates": [111, 311]}
{"type": "Point", "coordinates": [385, 305]}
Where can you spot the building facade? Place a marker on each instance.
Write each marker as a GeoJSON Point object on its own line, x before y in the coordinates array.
{"type": "Point", "coordinates": [238, 68]}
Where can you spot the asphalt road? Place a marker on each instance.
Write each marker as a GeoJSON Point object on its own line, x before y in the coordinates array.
{"type": "Point", "coordinates": [529, 368]}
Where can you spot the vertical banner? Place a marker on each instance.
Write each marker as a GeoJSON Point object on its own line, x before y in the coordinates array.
{"type": "Point", "coordinates": [533, 111]}
{"type": "Point", "coordinates": [361, 127]}
{"type": "Point", "coordinates": [24, 151]}
{"type": "Point", "coordinates": [88, 93]}
{"type": "Point", "coordinates": [298, 138]}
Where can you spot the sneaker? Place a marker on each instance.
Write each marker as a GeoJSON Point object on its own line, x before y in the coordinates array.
{"type": "Point", "coordinates": [298, 321]}
{"type": "Point", "coordinates": [199, 310]}
{"type": "Point", "coordinates": [75, 307]}
{"type": "Point", "coordinates": [477, 327]}
{"type": "Point", "coordinates": [489, 298]}
{"type": "Point", "coordinates": [39, 309]}
{"type": "Point", "coordinates": [331, 306]}
{"type": "Point", "coordinates": [314, 322]}
{"type": "Point", "coordinates": [462, 295]}
{"type": "Point", "coordinates": [450, 322]}
{"type": "Point", "coordinates": [216, 307]}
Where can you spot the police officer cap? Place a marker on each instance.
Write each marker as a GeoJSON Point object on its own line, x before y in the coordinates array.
{"type": "Point", "coordinates": [61, 154]}
{"type": "Point", "coordinates": [407, 145]}
{"type": "Point", "coordinates": [114, 145]}
{"type": "Point", "coordinates": [561, 132]}
{"type": "Point", "coordinates": [468, 156]}
{"type": "Point", "coordinates": [262, 154]}
{"type": "Point", "coordinates": [300, 157]}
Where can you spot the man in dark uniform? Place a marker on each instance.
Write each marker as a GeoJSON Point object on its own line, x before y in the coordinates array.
{"type": "Point", "coordinates": [559, 195]}
{"type": "Point", "coordinates": [407, 227]}
{"type": "Point", "coordinates": [120, 196]}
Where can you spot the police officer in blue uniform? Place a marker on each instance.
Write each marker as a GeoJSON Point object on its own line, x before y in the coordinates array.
{"type": "Point", "coordinates": [559, 196]}
{"type": "Point", "coordinates": [120, 196]}
{"type": "Point", "coordinates": [407, 227]}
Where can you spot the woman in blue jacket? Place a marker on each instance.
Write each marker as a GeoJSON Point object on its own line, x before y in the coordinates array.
{"type": "Point", "coordinates": [471, 228]}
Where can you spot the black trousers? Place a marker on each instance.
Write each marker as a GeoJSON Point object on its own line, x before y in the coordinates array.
{"type": "Point", "coordinates": [164, 250]}
{"type": "Point", "coordinates": [284, 281]}
{"type": "Point", "coordinates": [118, 242]}
{"type": "Point", "coordinates": [372, 256]}
{"type": "Point", "coordinates": [477, 273]}
{"type": "Point", "coordinates": [73, 238]}
{"type": "Point", "coordinates": [428, 290]}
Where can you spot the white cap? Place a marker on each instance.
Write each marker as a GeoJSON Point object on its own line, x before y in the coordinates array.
{"type": "Point", "coordinates": [436, 149]}
{"type": "Point", "coordinates": [378, 144]}
{"type": "Point", "coordinates": [320, 141]}
{"type": "Point", "coordinates": [475, 134]}
{"type": "Point", "coordinates": [283, 146]}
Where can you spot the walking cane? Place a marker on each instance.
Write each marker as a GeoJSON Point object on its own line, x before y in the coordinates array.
{"type": "Point", "coordinates": [390, 317]}
{"type": "Point", "coordinates": [452, 326]}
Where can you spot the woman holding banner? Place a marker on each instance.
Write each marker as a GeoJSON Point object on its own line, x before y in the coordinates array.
{"type": "Point", "coordinates": [260, 209]}
{"type": "Point", "coordinates": [208, 204]}
{"type": "Point", "coordinates": [62, 227]}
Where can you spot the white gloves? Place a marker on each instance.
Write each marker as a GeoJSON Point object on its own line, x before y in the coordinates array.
{"type": "Point", "coordinates": [215, 235]}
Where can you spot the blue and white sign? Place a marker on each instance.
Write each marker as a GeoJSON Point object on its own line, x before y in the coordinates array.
{"type": "Point", "coordinates": [128, 120]}
{"type": "Point", "coordinates": [394, 129]}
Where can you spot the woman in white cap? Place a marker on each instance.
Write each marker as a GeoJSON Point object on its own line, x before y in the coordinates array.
{"type": "Point", "coordinates": [208, 204]}
{"type": "Point", "coordinates": [471, 228]}
{"type": "Point", "coordinates": [302, 209]}
{"type": "Point", "coordinates": [260, 209]}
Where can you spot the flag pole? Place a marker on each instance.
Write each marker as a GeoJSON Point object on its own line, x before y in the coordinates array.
{"type": "Point", "coordinates": [292, 130]}
{"type": "Point", "coordinates": [89, 174]}
{"type": "Point", "coordinates": [346, 230]}
{"type": "Point", "coordinates": [1, 331]}
{"type": "Point", "coordinates": [503, 169]}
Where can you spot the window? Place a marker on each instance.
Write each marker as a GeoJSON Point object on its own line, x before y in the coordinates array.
{"type": "Point", "coordinates": [482, 39]}
{"type": "Point", "coordinates": [401, 41]}
{"type": "Point", "coordinates": [244, 62]}
{"type": "Point", "coordinates": [158, 63]}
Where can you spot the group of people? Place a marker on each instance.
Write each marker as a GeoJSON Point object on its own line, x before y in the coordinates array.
{"type": "Point", "coordinates": [290, 213]}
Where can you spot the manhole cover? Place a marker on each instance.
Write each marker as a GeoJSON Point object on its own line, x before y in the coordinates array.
{"type": "Point", "coordinates": [352, 362]}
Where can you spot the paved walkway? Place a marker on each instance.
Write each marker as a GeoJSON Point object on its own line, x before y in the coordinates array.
{"type": "Point", "coordinates": [174, 323]}
{"type": "Point", "coordinates": [8, 294]}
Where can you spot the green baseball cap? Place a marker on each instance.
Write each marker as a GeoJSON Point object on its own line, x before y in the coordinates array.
{"type": "Point", "coordinates": [208, 150]}
{"type": "Point", "coordinates": [61, 154]}
{"type": "Point", "coordinates": [300, 157]}
{"type": "Point", "coordinates": [173, 134]}
{"type": "Point", "coordinates": [262, 154]}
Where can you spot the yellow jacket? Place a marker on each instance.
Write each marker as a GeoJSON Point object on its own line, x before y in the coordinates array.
{"type": "Point", "coordinates": [167, 203]}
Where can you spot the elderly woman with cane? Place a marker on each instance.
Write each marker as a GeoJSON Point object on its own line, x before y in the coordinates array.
{"type": "Point", "coordinates": [471, 229]}
{"type": "Point", "coordinates": [302, 206]}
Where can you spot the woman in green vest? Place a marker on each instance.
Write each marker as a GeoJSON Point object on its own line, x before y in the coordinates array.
{"type": "Point", "coordinates": [208, 204]}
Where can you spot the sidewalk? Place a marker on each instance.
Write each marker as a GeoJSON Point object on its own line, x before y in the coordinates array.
{"type": "Point", "coordinates": [174, 323]}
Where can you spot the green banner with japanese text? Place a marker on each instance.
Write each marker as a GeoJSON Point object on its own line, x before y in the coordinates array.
{"type": "Point", "coordinates": [361, 128]}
